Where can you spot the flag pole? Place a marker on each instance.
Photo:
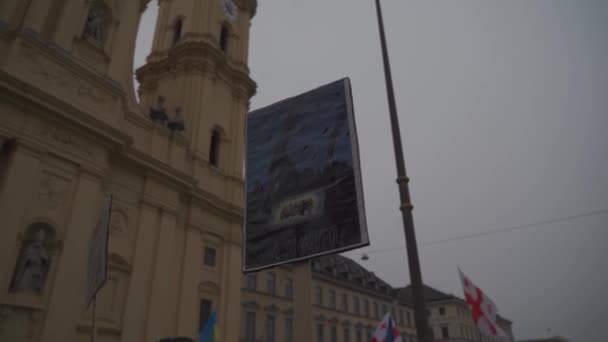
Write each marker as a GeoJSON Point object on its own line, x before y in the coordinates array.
{"type": "Point", "coordinates": [406, 207]}
{"type": "Point", "coordinates": [94, 332]}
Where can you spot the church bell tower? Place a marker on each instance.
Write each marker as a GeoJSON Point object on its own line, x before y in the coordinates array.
{"type": "Point", "coordinates": [196, 78]}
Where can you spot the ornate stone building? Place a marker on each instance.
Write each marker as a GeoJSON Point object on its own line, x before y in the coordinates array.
{"type": "Point", "coordinates": [72, 132]}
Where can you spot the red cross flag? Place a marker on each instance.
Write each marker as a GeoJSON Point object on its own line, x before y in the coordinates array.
{"type": "Point", "coordinates": [387, 330]}
{"type": "Point", "coordinates": [482, 308]}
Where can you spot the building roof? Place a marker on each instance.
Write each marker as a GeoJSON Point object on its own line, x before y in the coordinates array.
{"type": "Point", "coordinates": [551, 339]}
{"type": "Point", "coordinates": [430, 294]}
{"type": "Point", "coordinates": [345, 269]}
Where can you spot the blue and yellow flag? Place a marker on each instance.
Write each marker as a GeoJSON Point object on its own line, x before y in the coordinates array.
{"type": "Point", "coordinates": [209, 331]}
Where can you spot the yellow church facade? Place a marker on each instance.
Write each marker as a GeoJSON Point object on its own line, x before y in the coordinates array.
{"type": "Point", "coordinates": [72, 132]}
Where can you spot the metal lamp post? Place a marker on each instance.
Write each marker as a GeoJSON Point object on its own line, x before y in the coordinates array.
{"type": "Point", "coordinates": [406, 207]}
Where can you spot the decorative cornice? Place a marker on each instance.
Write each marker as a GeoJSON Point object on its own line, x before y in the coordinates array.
{"type": "Point", "coordinates": [251, 305]}
{"type": "Point", "coordinates": [196, 54]}
{"type": "Point", "coordinates": [271, 308]}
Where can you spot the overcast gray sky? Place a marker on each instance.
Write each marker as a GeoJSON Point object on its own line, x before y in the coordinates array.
{"type": "Point", "coordinates": [504, 112]}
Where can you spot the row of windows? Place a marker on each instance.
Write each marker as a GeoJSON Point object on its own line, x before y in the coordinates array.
{"type": "Point", "coordinates": [466, 332]}
{"type": "Point", "coordinates": [269, 328]}
{"type": "Point", "coordinates": [271, 287]}
{"type": "Point", "coordinates": [271, 336]}
{"type": "Point", "coordinates": [462, 312]}
{"type": "Point", "coordinates": [359, 335]}
{"type": "Point", "coordinates": [361, 306]}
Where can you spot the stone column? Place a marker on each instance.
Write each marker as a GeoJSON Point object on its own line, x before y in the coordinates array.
{"type": "Point", "coordinates": [162, 312]}
{"type": "Point", "coordinates": [136, 309]}
{"type": "Point", "coordinates": [187, 323]}
{"type": "Point", "coordinates": [230, 292]}
{"type": "Point", "coordinates": [67, 300]}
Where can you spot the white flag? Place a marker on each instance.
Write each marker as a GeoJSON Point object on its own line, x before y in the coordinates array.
{"type": "Point", "coordinates": [482, 308]}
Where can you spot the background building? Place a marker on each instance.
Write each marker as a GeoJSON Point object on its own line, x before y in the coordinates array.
{"type": "Point", "coordinates": [450, 318]}
{"type": "Point", "coordinates": [72, 132]}
{"type": "Point", "coordinates": [348, 302]}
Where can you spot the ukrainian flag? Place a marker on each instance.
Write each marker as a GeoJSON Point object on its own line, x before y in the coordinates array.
{"type": "Point", "coordinates": [210, 331]}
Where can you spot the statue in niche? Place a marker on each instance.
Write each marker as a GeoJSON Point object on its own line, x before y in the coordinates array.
{"type": "Point", "coordinates": [94, 26]}
{"type": "Point", "coordinates": [33, 264]}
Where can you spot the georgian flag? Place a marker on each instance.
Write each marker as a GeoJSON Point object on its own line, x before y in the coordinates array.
{"type": "Point", "coordinates": [482, 308]}
{"type": "Point", "coordinates": [386, 331]}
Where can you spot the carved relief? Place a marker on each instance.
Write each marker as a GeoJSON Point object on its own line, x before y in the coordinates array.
{"type": "Point", "coordinates": [53, 191]}
{"type": "Point", "coordinates": [118, 223]}
{"type": "Point", "coordinates": [59, 78]}
{"type": "Point", "coordinates": [69, 140]}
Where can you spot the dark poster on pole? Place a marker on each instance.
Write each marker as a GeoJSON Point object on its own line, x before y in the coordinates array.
{"type": "Point", "coordinates": [304, 196]}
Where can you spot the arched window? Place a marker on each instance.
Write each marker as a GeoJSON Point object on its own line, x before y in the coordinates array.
{"type": "Point", "coordinates": [214, 148]}
{"type": "Point", "coordinates": [177, 30]}
{"type": "Point", "coordinates": [224, 37]}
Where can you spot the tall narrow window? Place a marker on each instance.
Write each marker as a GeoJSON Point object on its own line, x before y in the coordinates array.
{"type": "Point", "coordinates": [319, 295]}
{"type": "Point", "coordinates": [288, 288]}
{"type": "Point", "coordinates": [177, 30]}
{"type": "Point", "coordinates": [224, 37]}
{"type": "Point", "coordinates": [271, 285]}
{"type": "Point", "coordinates": [214, 148]}
{"type": "Point", "coordinates": [346, 334]}
{"type": "Point", "coordinates": [251, 281]}
{"type": "Point", "coordinates": [269, 328]}
{"type": "Point", "coordinates": [320, 333]}
{"type": "Point", "coordinates": [356, 304]}
{"type": "Point", "coordinates": [288, 330]}
{"type": "Point", "coordinates": [445, 333]}
{"type": "Point", "coordinates": [344, 302]}
{"type": "Point", "coordinates": [333, 334]}
{"type": "Point", "coordinates": [250, 327]}
{"type": "Point", "coordinates": [332, 299]}
{"type": "Point", "coordinates": [209, 257]}
{"type": "Point", "coordinates": [205, 311]}
{"type": "Point", "coordinates": [366, 307]}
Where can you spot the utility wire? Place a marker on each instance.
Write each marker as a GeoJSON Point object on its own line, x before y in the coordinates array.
{"type": "Point", "coordinates": [497, 231]}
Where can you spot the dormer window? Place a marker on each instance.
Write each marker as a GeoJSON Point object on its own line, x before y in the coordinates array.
{"type": "Point", "coordinates": [224, 38]}
{"type": "Point", "coordinates": [177, 30]}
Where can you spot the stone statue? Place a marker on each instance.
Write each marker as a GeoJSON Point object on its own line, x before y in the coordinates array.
{"type": "Point", "coordinates": [94, 26]}
{"type": "Point", "coordinates": [32, 266]}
